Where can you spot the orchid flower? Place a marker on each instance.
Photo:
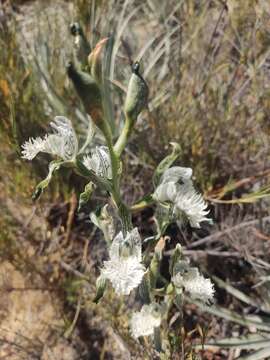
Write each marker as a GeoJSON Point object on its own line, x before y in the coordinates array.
{"type": "Point", "coordinates": [145, 321]}
{"type": "Point", "coordinates": [176, 188]}
{"type": "Point", "coordinates": [197, 286]}
{"type": "Point", "coordinates": [124, 269]}
{"type": "Point", "coordinates": [63, 143]}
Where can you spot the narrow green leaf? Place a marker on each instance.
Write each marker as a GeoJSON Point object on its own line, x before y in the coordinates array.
{"type": "Point", "coordinates": [166, 162]}
{"type": "Point", "coordinates": [232, 316]}
{"type": "Point", "coordinates": [53, 166]}
{"type": "Point", "coordinates": [251, 341]}
{"type": "Point", "coordinates": [86, 195]}
{"type": "Point", "coordinates": [237, 293]}
{"type": "Point", "coordinates": [157, 339]}
{"type": "Point", "coordinates": [101, 284]}
{"type": "Point", "coordinates": [262, 354]}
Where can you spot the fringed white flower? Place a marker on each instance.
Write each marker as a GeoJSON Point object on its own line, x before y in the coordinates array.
{"type": "Point", "coordinates": [192, 205]}
{"type": "Point", "coordinates": [99, 161]}
{"type": "Point", "coordinates": [145, 321]}
{"type": "Point", "coordinates": [62, 143]}
{"type": "Point", "coordinates": [197, 286]}
{"type": "Point", "coordinates": [124, 269]}
{"type": "Point", "coordinates": [176, 188]}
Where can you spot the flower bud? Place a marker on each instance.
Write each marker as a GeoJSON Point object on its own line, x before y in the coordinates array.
{"type": "Point", "coordinates": [175, 258]}
{"type": "Point", "coordinates": [95, 61]}
{"type": "Point", "coordinates": [88, 91]}
{"type": "Point", "coordinates": [137, 94]}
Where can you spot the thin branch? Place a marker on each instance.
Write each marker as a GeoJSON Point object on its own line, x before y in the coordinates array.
{"type": "Point", "coordinates": [216, 236]}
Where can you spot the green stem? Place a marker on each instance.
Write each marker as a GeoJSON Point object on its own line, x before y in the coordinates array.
{"type": "Point", "coordinates": [141, 205]}
{"type": "Point", "coordinates": [123, 138]}
{"type": "Point", "coordinates": [123, 210]}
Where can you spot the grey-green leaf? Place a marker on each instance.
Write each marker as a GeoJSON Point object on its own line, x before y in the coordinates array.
{"type": "Point", "coordinates": [101, 284]}
{"type": "Point", "coordinates": [166, 162]}
{"type": "Point", "coordinates": [53, 166]}
{"type": "Point", "coordinates": [86, 195]}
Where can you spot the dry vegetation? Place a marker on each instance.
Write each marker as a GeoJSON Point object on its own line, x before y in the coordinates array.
{"type": "Point", "coordinates": [207, 64]}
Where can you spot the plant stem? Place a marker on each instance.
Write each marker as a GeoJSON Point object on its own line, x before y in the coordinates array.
{"type": "Point", "coordinates": [123, 210]}
{"type": "Point", "coordinates": [123, 138]}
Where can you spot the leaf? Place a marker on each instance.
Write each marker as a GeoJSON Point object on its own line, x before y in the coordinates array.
{"type": "Point", "coordinates": [234, 317]}
{"type": "Point", "coordinates": [237, 293]}
{"type": "Point", "coordinates": [166, 162]}
{"type": "Point", "coordinates": [163, 217]}
{"type": "Point", "coordinates": [258, 355]}
{"type": "Point", "coordinates": [251, 341]}
{"type": "Point", "coordinates": [157, 339]}
{"type": "Point", "coordinates": [101, 284]}
{"type": "Point", "coordinates": [144, 202]}
{"type": "Point", "coordinates": [85, 196]}
{"type": "Point", "coordinates": [53, 166]}
{"type": "Point", "coordinates": [175, 258]}
{"type": "Point", "coordinates": [105, 222]}
{"type": "Point", "coordinates": [144, 289]}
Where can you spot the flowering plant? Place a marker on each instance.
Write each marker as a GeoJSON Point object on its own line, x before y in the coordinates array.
{"type": "Point", "coordinates": [134, 263]}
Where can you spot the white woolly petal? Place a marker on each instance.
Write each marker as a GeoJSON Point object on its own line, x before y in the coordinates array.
{"type": "Point", "coordinates": [32, 147]}
{"type": "Point", "coordinates": [192, 205]}
{"type": "Point", "coordinates": [99, 162]}
{"type": "Point", "coordinates": [176, 173]}
{"type": "Point", "coordinates": [196, 285]}
{"type": "Point", "coordinates": [62, 143]}
{"type": "Point", "coordinates": [124, 269]}
{"type": "Point", "coordinates": [166, 192]}
{"type": "Point", "coordinates": [125, 273]}
{"type": "Point", "coordinates": [145, 321]}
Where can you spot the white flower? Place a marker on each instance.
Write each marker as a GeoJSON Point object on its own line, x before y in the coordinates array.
{"type": "Point", "coordinates": [145, 321]}
{"type": "Point", "coordinates": [176, 188]}
{"type": "Point", "coordinates": [62, 143]}
{"type": "Point", "coordinates": [124, 269]}
{"type": "Point", "coordinates": [166, 192]}
{"type": "Point", "coordinates": [99, 162]}
{"type": "Point", "coordinates": [189, 202]}
{"type": "Point", "coordinates": [195, 284]}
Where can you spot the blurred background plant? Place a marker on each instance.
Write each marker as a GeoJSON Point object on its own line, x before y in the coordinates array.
{"type": "Point", "coordinates": [207, 67]}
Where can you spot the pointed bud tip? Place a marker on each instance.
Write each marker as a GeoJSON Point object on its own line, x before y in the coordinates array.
{"type": "Point", "coordinates": [75, 29]}
{"type": "Point", "coordinates": [136, 68]}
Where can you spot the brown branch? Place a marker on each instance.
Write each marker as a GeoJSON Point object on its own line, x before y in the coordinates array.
{"type": "Point", "coordinates": [214, 237]}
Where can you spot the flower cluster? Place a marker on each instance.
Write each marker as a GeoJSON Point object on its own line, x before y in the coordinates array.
{"type": "Point", "coordinates": [176, 188]}
{"type": "Point", "coordinates": [124, 269]}
{"type": "Point", "coordinates": [192, 282]}
{"type": "Point", "coordinates": [62, 143]}
{"type": "Point", "coordinates": [146, 320]}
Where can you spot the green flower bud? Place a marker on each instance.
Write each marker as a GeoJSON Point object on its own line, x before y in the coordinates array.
{"type": "Point", "coordinates": [175, 258]}
{"type": "Point", "coordinates": [137, 94]}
